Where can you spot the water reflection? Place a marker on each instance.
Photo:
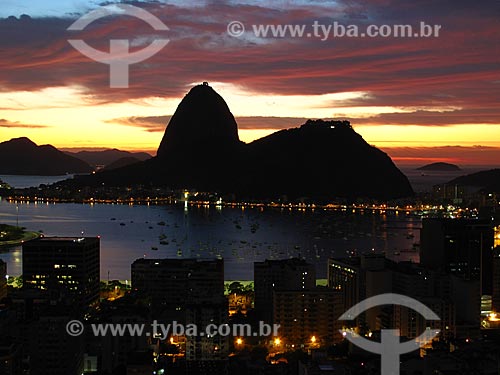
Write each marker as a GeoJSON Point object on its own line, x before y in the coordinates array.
{"type": "Point", "coordinates": [240, 236]}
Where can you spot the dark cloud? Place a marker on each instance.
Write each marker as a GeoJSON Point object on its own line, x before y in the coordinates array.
{"type": "Point", "coordinates": [16, 124]}
{"type": "Point", "coordinates": [420, 118]}
{"type": "Point", "coordinates": [432, 118]}
{"type": "Point", "coordinates": [159, 123]}
{"type": "Point", "coordinates": [147, 123]}
{"type": "Point", "coordinates": [457, 70]}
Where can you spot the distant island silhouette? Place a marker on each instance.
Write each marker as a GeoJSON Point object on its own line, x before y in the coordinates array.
{"type": "Point", "coordinates": [440, 167]}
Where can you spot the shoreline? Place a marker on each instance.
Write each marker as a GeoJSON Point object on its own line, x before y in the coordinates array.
{"type": "Point", "coordinates": [27, 236]}
{"type": "Point", "coordinates": [373, 207]}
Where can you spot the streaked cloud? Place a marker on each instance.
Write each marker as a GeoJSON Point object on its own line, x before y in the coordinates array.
{"type": "Point", "coordinates": [147, 123]}
{"type": "Point", "coordinates": [396, 72]}
{"type": "Point", "coordinates": [473, 155]}
{"type": "Point", "coordinates": [159, 123]}
{"type": "Point", "coordinates": [16, 124]}
{"type": "Point", "coordinates": [450, 82]}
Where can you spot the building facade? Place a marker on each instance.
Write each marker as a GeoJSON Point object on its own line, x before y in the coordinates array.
{"type": "Point", "coordinates": [191, 292]}
{"type": "Point", "coordinates": [173, 283]}
{"type": "Point", "coordinates": [495, 297]}
{"type": "Point", "coordinates": [308, 317]}
{"type": "Point", "coordinates": [277, 275]}
{"type": "Point", "coordinates": [462, 247]}
{"type": "Point", "coordinates": [69, 266]}
{"type": "Point", "coordinates": [3, 279]}
{"type": "Point", "coordinates": [357, 278]}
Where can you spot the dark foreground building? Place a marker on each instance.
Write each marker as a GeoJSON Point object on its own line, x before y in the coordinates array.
{"type": "Point", "coordinates": [461, 247]}
{"type": "Point", "coordinates": [61, 283]}
{"type": "Point", "coordinates": [3, 280]}
{"type": "Point", "coordinates": [271, 276]}
{"type": "Point", "coordinates": [188, 291]}
{"type": "Point", "coordinates": [68, 266]}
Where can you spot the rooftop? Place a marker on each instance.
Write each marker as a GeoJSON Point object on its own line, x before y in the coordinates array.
{"type": "Point", "coordinates": [171, 261]}
{"type": "Point", "coordinates": [64, 239]}
{"type": "Point", "coordinates": [291, 261]}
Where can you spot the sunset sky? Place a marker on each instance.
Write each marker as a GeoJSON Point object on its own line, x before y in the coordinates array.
{"type": "Point", "coordinates": [419, 99]}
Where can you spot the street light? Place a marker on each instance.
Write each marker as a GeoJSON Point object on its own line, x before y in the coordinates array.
{"type": "Point", "coordinates": [239, 341]}
{"type": "Point", "coordinates": [313, 339]}
{"type": "Point", "coordinates": [277, 341]}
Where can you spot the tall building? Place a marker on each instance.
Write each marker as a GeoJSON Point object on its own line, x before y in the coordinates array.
{"type": "Point", "coordinates": [10, 356]}
{"type": "Point", "coordinates": [173, 283]}
{"type": "Point", "coordinates": [276, 275]}
{"type": "Point", "coordinates": [348, 276]}
{"type": "Point", "coordinates": [308, 316]}
{"type": "Point", "coordinates": [11, 349]}
{"type": "Point", "coordinates": [207, 347]}
{"type": "Point", "coordinates": [189, 291]}
{"type": "Point", "coordinates": [115, 351]}
{"type": "Point", "coordinates": [495, 297]}
{"type": "Point", "coordinates": [466, 296]}
{"type": "Point", "coordinates": [462, 247]}
{"type": "Point", "coordinates": [40, 328]}
{"type": "Point", "coordinates": [52, 350]}
{"type": "Point", "coordinates": [344, 275]}
{"type": "Point", "coordinates": [357, 278]}
{"type": "Point", "coordinates": [434, 289]}
{"type": "Point", "coordinates": [3, 279]}
{"type": "Point", "coordinates": [411, 324]}
{"type": "Point", "coordinates": [68, 266]}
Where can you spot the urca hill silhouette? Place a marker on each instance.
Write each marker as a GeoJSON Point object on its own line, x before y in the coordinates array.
{"type": "Point", "coordinates": [201, 149]}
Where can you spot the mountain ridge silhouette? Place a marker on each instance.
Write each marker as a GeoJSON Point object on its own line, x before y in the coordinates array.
{"type": "Point", "coordinates": [21, 156]}
{"type": "Point", "coordinates": [201, 150]}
